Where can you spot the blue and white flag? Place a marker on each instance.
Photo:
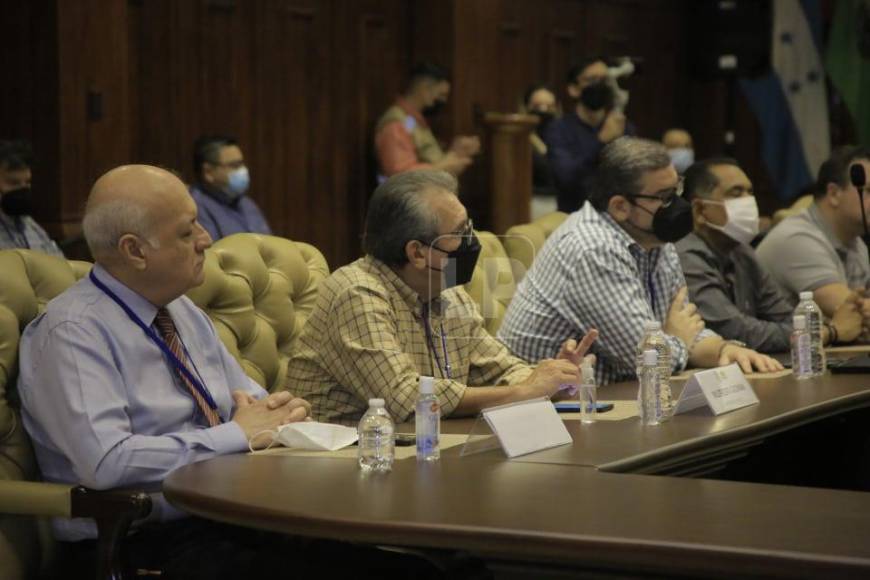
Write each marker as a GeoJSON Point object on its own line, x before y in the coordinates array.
{"type": "Point", "coordinates": [791, 102]}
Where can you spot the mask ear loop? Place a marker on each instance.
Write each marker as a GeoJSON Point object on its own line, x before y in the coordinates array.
{"type": "Point", "coordinates": [864, 215]}
{"type": "Point", "coordinates": [274, 440]}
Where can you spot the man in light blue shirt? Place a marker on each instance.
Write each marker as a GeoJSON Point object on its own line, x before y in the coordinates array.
{"type": "Point", "coordinates": [222, 180]}
{"type": "Point", "coordinates": [105, 403]}
{"type": "Point", "coordinates": [17, 228]}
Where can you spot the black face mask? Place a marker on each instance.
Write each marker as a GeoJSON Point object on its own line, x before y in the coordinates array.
{"type": "Point", "coordinates": [672, 223]}
{"type": "Point", "coordinates": [597, 96]}
{"type": "Point", "coordinates": [460, 262]}
{"type": "Point", "coordinates": [434, 109]}
{"type": "Point", "coordinates": [17, 202]}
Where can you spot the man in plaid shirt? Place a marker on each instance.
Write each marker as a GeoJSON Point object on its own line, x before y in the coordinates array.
{"type": "Point", "coordinates": [610, 267]}
{"type": "Point", "coordinates": [401, 312]}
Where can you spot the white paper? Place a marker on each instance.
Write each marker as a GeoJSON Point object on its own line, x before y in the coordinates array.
{"type": "Point", "coordinates": [527, 426]}
{"type": "Point", "coordinates": [723, 389]}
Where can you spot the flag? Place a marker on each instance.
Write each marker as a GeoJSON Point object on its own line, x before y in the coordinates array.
{"type": "Point", "coordinates": [791, 101]}
{"type": "Point", "coordinates": [848, 61]}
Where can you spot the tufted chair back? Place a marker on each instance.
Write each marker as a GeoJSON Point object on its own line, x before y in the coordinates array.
{"type": "Point", "coordinates": [28, 280]}
{"type": "Point", "coordinates": [523, 242]}
{"type": "Point", "coordinates": [258, 291]}
{"type": "Point", "coordinates": [493, 284]}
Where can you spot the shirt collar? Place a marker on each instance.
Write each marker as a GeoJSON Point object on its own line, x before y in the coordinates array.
{"type": "Point", "coordinates": [137, 303]}
{"type": "Point", "coordinates": [418, 116]}
{"type": "Point", "coordinates": [408, 296]}
{"type": "Point", "coordinates": [622, 237]}
{"type": "Point", "coordinates": [218, 195]}
{"type": "Point", "coordinates": [696, 242]}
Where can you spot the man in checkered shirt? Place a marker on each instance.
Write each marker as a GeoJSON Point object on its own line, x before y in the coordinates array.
{"type": "Point", "coordinates": [400, 312]}
{"type": "Point", "coordinates": [609, 267]}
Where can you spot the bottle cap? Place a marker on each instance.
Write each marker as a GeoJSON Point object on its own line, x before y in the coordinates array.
{"type": "Point", "coordinates": [588, 372]}
{"type": "Point", "coordinates": [800, 322]}
{"type": "Point", "coordinates": [652, 325]}
{"type": "Point", "coordinates": [376, 403]}
{"type": "Point", "coordinates": [806, 295]}
{"type": "Point", "coordinates": [427, 385]}
{"type": "Point", "coordinates": [650, 357]}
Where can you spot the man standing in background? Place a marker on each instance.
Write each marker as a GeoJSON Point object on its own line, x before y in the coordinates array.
{"type": "Point", "coordinates": [574, 141]}
{"type": "Point", "coordinates": [403, 139]}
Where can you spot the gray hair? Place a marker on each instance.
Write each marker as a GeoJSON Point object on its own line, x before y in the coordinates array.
{"type": "Point", "coordinates": [398, 213]}
{"type": "Point", "coordinates": [104, 224]}
{"type": "Point", "coordinates": [621, 165]}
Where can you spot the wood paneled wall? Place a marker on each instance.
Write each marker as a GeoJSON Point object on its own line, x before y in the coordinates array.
{"type": "Point", "coordinates": [97, 83]}
{"type": "Point", "coordinates": [300, 83]}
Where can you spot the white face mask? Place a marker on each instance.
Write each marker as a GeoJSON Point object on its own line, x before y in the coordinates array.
{"type": "Point", "coordinates": [742, 224]}
{"type": "Point", "coordinates": [682, 158]}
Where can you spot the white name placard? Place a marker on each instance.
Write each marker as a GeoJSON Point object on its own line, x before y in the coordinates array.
{"type": "Point", "coordinates": [723, 389]}
{"type": "Point", "coordinates": [527, 426]}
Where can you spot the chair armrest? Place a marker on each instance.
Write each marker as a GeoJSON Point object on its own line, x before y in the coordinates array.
{"type": "Point", "coordinates": [35, 498]}
{"type": "Point", "coordinates": [111, 503]}
{"type": "Point", "coordinates": [113, 510]}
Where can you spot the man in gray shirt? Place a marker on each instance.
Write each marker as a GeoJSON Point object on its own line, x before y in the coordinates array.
{"type": "Point", "coordinates": [735, 296]}
{"type": "Point", "coordinates": [820, 249]}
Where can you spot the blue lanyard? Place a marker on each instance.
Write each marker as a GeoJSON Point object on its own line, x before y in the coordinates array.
{"type": "Point", "coordinates": [652, 291]}
{"type": "Point", "coordinates": [180, 366]}
{"type": "Point", "coordinates": [446, 370]}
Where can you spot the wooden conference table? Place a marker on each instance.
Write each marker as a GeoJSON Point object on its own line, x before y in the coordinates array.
{"type": "Point", "coordinates": [587, 507]}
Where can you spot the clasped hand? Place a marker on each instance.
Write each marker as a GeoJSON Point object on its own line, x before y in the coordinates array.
{"type": "Point", "coordinates": [257, 417]}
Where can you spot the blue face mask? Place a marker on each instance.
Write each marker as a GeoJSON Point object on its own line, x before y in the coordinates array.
{"type": "Point", "coordinates": [682, 158]}
{"type": "Point", "coordinates": [239, 182]}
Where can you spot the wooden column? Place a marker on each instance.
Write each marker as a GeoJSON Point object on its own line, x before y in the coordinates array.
{"type": "Point", "coordinates": [509, 168]}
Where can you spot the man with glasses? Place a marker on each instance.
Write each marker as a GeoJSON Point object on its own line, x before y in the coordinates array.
{"type": "Point", "coordinates": [221, 183]}
{"type": "Point", "coordinates": [401, 312]}
{"type": "Point", "coordinates": [735, 296]}
{"type": "Point", "coordinates": [611, 267]}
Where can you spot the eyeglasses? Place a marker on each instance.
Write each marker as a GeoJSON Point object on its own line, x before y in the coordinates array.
{"type": "Point", "coordinates": [466, 230]}
{"type": "Point", "coordinates": [666, 196]}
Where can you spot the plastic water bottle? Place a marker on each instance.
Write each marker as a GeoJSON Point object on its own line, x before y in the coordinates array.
{"type": "Point", "coordinates": [427, 420]}
{"type": "Point", "coordinates": [655, 339]}
{"type": "Point", "coordinates": [376, 438]}
{"type": "Point", "coordinates": [588, 394]}
{"type": "Point", "coordinates": [801, 349]}
{"type": "Point", "coordinates": [649, 391]}
{"type": "Point", "coordinates": [809, 309]}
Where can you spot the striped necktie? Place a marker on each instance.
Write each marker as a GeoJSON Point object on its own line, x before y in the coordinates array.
{"type": "Point", "coordinates": [166, 326]}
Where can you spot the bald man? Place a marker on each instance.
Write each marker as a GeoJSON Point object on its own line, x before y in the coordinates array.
{"type": "Point", "coordinates": [123, 378]}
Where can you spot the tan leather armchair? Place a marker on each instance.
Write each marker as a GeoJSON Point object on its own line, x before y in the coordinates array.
{"type": "Point", "coordinates": [258, 291]}
{"type": "Point", "coordinates": [28, 280]}
{"type": "Point", "coordinates": [523, 242]}
{"type": "Point", "coordinates": [492, 286]}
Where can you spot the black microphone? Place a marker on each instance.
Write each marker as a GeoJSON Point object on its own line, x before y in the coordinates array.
{"type": "Point", "coordinates": [858, 177]}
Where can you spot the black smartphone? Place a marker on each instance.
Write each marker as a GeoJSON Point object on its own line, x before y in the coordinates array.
{"type": "Point", "coordinates": [405, 439]}
{"type": "Point", "coordinates": [574, 407]}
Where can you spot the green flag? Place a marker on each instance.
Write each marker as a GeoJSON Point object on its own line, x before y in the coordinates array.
{"type": "Point", "coordinates": [848, 69]}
